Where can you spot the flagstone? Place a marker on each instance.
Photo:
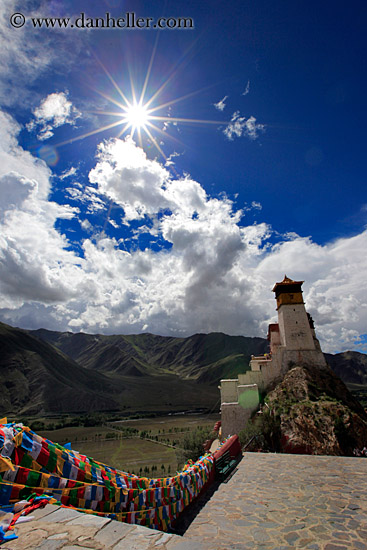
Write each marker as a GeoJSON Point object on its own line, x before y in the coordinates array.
{"type": "Point", "coordinates": [239, 514]}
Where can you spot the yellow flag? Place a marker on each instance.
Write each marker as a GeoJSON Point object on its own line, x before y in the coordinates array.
{"type": "Point", "coordinates": [18, 439]}
{"type": "Point", "coordinates": [6, 464]}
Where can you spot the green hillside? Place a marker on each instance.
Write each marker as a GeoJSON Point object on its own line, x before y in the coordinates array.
{"type": "Point", "coordinates": [203, 357]}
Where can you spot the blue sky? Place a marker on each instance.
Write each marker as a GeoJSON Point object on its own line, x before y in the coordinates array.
{"type": "Point", "coordinates": [247, 166]}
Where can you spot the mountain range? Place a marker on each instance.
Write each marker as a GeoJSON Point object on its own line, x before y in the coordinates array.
{"type": "Point", "coordinates": [44, 371]}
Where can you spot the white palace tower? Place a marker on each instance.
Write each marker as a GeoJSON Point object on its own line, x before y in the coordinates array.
{"type": "Point", "coordinates": [292, 342]}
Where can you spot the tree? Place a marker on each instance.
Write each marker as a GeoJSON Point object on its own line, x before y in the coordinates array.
{"type": "Point", "coordinates": [193, 442]}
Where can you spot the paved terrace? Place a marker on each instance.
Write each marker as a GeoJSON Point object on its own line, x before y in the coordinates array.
{"type": "Point", "coordinates": [272, 502]}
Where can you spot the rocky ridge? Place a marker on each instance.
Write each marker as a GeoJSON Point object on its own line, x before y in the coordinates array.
{"type": "Point", "coordinates": [311, 411]}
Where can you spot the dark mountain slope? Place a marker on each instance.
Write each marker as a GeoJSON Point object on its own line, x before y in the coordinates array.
{"type": "Point", "coordinates": [109, 354]}
{"type": "Point", "coordinates": [35, 377]}
{"type": "Point", "coordinates": [204, 357]}
{"type": "Point", "coordinates": [350, 366]}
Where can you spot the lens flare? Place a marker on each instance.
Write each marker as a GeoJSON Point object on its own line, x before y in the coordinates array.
{"type": "Point", "coordinates": [49, 154]}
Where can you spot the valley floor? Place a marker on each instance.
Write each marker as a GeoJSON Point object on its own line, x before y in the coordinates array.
{"type": "Point", "coordinates": [154, 455]}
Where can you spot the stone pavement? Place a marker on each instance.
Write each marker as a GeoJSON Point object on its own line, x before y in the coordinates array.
{"type": "Point", "coordinates": [55, 528]}
{"type": "Point", "coordinates": [272, 502]}
{"type": "Point", "coordinates": [281, 502]}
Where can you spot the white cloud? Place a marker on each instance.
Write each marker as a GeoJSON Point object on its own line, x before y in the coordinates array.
{"type": "Point", "coordinates": [124, 174]}
{"type": "Point", "coordinates": [53, 111]}
{"type": "Point", "coordinates": [247, 89]}
{"type": "Point", "coordinates": [214, 275]}
{"type": "Point", "coordinates": [221, 104]}
{"type": "Point", "coordinates": [141, 186]}
{"type": "Point", "coordinates": [27, 54]}
{"type": "Point", "coordinates": [169, 161]}
{"type": "Point", "coordinates": [86, 225]}
{"type": "Point", "coordinates": [32, 252]}
{"type": "Point", "coordinates": [13, 159]}
{"type": "Point", "coordinates": [22, 58]}
{"type": "Point", "coordinates": [240, 126]}
{"type": "Point", "coordinates": [33, 259]}
{"type": "Point", "coordinates": [254, 206]}
{"type": "Point", "coordinates": [87, 196]}
{"type": "Point", "coordinates": [68, 173]}
{"type": "Point", "coordinates": [14, 190]}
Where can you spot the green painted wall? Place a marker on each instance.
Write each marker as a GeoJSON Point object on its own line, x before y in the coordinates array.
{"type": "Point", "coordinates": [249, 398]}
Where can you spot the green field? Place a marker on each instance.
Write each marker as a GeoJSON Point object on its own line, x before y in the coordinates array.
{"type": "Point", "coordinates": [137, 453]}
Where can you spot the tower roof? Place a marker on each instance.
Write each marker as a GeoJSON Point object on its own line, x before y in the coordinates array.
{"type": "Point", "coordinates": [285, 283]}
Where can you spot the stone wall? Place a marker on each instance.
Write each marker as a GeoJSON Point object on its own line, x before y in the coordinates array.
{"type": "Point", "coordinates": [234, 418]}
{"type": "Point", "coordinates": [235, 413]}
{"type": "Point", "coordinates": [265, 374]}
{"type": "Point", "coordinates": [300, 358]}
{"type": "Point", "coordinates": [295, 330]}
{"type": "Point", "coordinates": [228, 390]}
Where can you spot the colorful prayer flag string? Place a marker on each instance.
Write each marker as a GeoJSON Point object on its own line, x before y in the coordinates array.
{"type": "Point", "coordinates": [31, 464]}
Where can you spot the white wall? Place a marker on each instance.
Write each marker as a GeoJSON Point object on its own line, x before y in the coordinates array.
{"type": "Point", "coordinates": [295, 330]}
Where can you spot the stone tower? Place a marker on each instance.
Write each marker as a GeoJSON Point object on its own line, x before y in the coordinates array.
{"type": "Point", "coordinates": [292, 343]}
{"type": "Point", "coordinates": [294, 325]}
{"type": "Point", "coordinates": [296, 342]}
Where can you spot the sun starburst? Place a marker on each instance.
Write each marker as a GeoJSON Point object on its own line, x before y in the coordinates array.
{"type": "Point", "coordinates": [142, 117]}
{"type": "Point", "coordinates": [136, 116]}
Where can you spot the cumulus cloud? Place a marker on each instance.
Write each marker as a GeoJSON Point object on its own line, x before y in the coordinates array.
{"type": "Point", "coordinates": [15, 160]}
{"type": "Point", "coordinates": [240, 126]}
{"type": "Point", "coordinates": [221, 104]}
{"type": "Point", "coordinates": [86, 225]}
{"type": "Point", "coordinates": [14, 190]}
{"type": "Point", "coordinates": [53, 111]}
{"type": "Point", "coordinates": [141, 186]}
{"type": "Point", "coordinates": [33, 259]}
{"type": "Point", "coordinates": [124, 174]}
{"type": "Point", "coordinates": [214, 274]}
{"type": "Point", "coordinates": [32, 253]}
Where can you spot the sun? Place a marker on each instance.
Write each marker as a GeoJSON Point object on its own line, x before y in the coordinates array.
{"type": "Point", "coordinates": [136, 116]}
{"type": "Point", "coordinates": [142, 116]}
